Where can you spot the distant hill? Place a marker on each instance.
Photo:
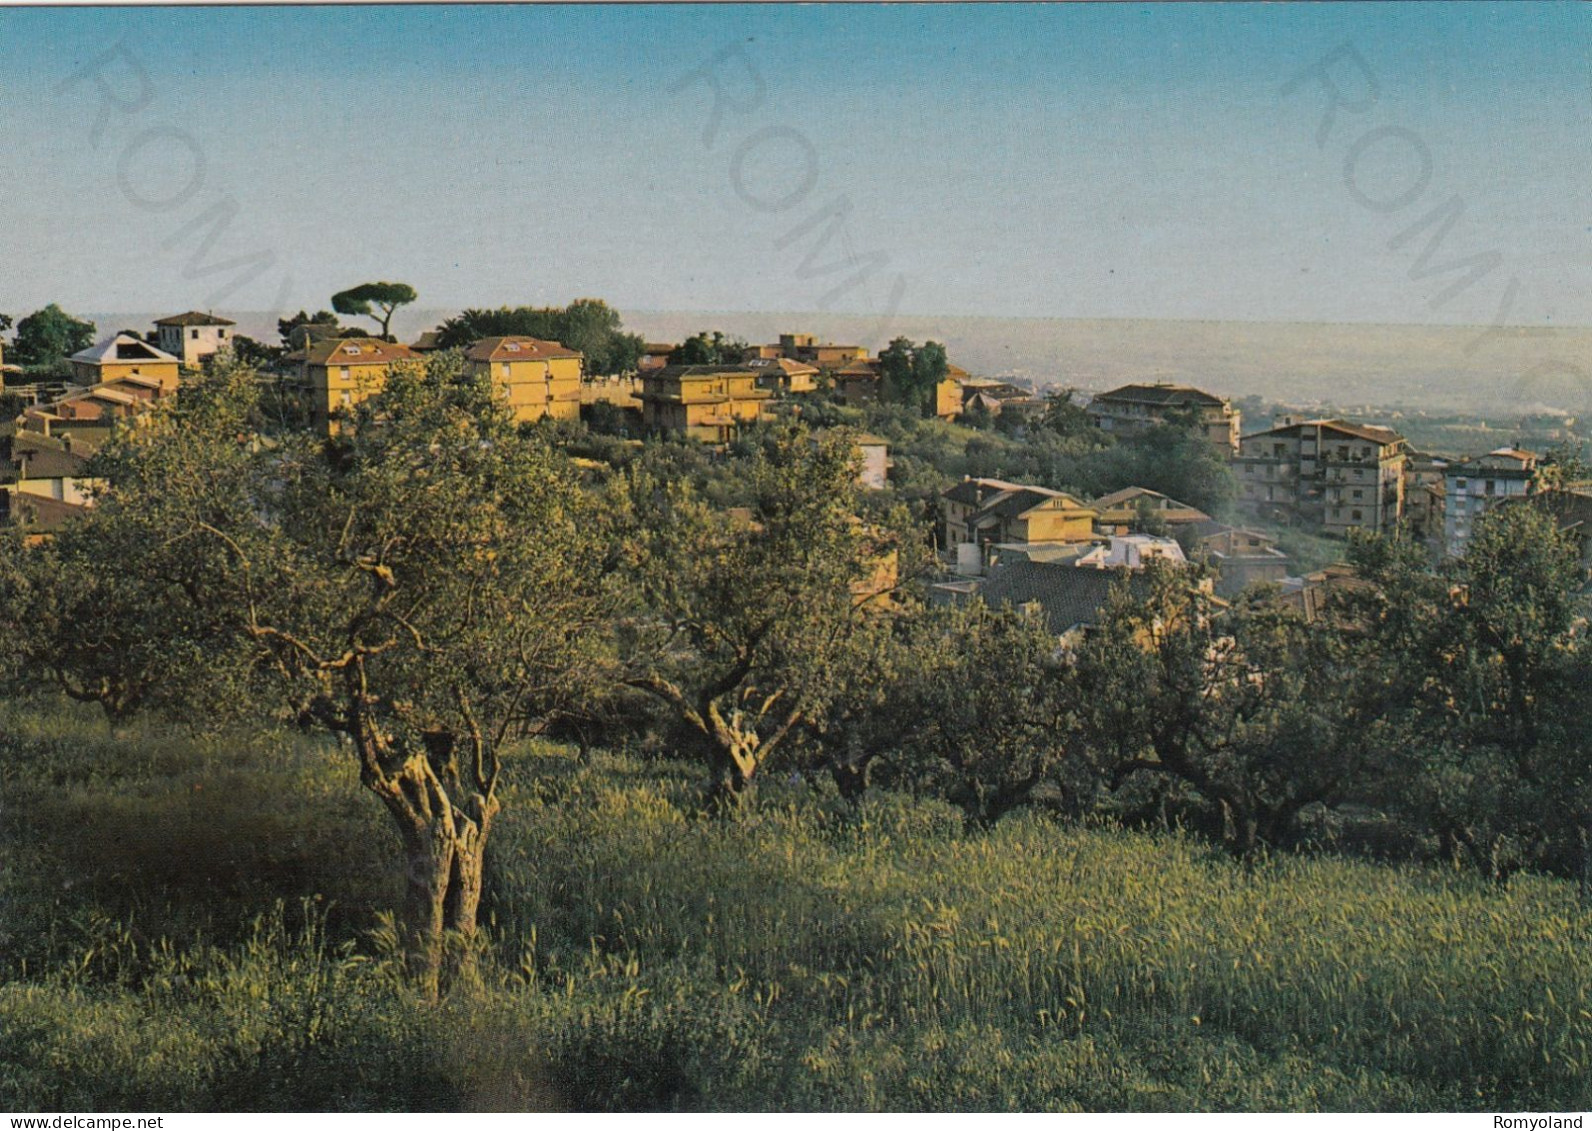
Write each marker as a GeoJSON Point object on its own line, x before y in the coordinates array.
{"type": "Point", "coordinates": [1516, 370]}
{"type": "Point", "coordinates": [1435, 368]}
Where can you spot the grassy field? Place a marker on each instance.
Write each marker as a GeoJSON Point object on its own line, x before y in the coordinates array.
{"type": "Point", "coordinates": [195, 924]}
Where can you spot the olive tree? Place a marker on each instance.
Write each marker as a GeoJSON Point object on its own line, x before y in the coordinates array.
{"type": "Point", "coordinates": [741, 619]}
{"type": "Point", "coordinates": [422, 587]}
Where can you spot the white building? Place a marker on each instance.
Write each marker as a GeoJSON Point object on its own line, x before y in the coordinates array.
{"type": "Point", "coordinates": [193, 336]}
{"type": "Point", "coordinates": [1473, 487]}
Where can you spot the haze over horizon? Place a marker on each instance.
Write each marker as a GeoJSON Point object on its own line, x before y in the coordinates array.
{"type": "Point", "coordinates": [1071, 162]}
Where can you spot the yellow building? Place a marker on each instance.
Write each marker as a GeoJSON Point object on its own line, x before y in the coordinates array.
{"type": "Point", "coordinates": [123, 355]}
{"type": "Point", "coordinates": [985, 512]}
{"type": "Point", "coordinates": [1130, 506]}
{"type": "Point", "coordinates": [806, 348]}
{"type": "Point", "coordinates": [1135, 409]}
{"type": "Point", "coordinates": [704, 402]}
{"type": "Point", "coordinates": [338, 373]}
{"type": "Point", "coordinates": [540, 379]}
{"type": "Point", "coordinates": [784, 376]}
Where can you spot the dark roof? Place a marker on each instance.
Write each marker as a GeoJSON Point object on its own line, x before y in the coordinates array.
{"type": "Point", "coordinates": [1372, 432]}
{"type": "Point", "coordinates": [972, 492]}
{"type": "Point", "coordinates": [1133, 494]}
{"type": "Point", "coordinates": [863, 367]}
{"type": "Point", "coordinates": [783, 364]}
{"type": "Point", "coordinates": [46, 457]}
{"type": "Point", "coordinates": [1068, 595]}
{"type": "Point", "coordinates": [514, 348]}
{"type": "Point", "coordinates": [36, 512]}
{"type": "Point", "coordinates": [1161, 393]}
{"type": "Point", "coordinates": [194, 318]}
{"type": "Point", "coordinates": [701, 371]}
{"type": "Point", "coordinates": [1025, 499]}
{"type": "Point", "coordinates": [1568, 508]}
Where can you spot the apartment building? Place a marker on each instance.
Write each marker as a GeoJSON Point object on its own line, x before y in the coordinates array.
{"type": "Point", "coordinates": [1329, 475]}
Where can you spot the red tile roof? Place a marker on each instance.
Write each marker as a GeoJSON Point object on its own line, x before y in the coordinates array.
{"type": "Point", "coordinates": [357, 351]}
{"type": "Point", "coordinates": [517, 349]}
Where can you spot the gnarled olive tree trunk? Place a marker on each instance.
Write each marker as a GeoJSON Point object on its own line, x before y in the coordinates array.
{"type": "Point", "coordinates": [443, 807]}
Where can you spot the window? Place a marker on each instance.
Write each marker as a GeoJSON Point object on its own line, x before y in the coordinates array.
{"type": "Point", "coordinates": [221, 334]}
{"type": "Point", "coordinates": [1490, 485]}
{"type": "Point", "coordinates": [513, 347]}
{"type": "Point", "coordinates": [342, 372]}
{"type": "Point", "coordinates": [351, 350]}
{"type": "Point", "coordinates": [1355, 515]}
{"type": "Point", "coordinates": [503, 369]}
{"type": "Point", "coordinates": [1359, 495]}
{"type": "Point", "coordinates": [1279, 450]}
{"type": "Point", "coordinates": [348, 398]}
{"type": "Point", "coordinates": [194, 334]}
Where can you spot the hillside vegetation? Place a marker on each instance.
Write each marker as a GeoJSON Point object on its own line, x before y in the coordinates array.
{"type": "Point", "coordinates": [805, 953]}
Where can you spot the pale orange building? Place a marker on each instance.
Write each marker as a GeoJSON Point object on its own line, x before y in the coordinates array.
{"type": "Point", "coordinates": [705, 402]}
{"type": "Point", "coordinates": [808, 349]}
{"type": "Point", "coordinates": [782, 375]}
{"type": "Point", "coordinates": [123, 355]}
{"type": "Point", "coordinates": [540, 379]}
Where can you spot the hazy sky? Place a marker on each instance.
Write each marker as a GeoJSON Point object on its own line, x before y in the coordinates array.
{"type": "Point", "coordinates": [1073, 161]}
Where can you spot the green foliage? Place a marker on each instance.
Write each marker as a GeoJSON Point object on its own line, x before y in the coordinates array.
{"type": "Point", "coordinates": [1252, 709]}
{"type": "Point", "coordinates": [423, 588]}
{"type": "Point", "coordinates": [587, 324]}
{"type": "Point", "coordinates": [1175, 459]}
{"type": "Point", "coordinates": [49, 335]}
{"type": "Point", "coordinates": [984, 711]}
{"type": "Point", "coordinates": [909, 373]}
{"type": "Point", "coordinates": [116, 609]}
{"type": "Point", "coordinates": [738, 619]}
{"type": "Point", "coordinates": [255, 354]}
{"type": "Point", "coordinates": [1486, 664]}
{"type": "Point", "coordinates": [807, 954]}
{"type": "Point", "coordinates": [376, 301]}
{"type": "Point", "coordinates": [1564, 464]}
{"type": "Point", "coordinates": [303, 329]}
{"type": "Point", "coordinates": [704, 349]}
{"type": "Point", "coordinates": [1064, 415]}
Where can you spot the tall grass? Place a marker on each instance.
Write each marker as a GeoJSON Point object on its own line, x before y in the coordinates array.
{"type": "Point", "coordinates": [806, 954]}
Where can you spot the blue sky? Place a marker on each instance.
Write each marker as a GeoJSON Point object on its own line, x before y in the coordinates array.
{"type": "Point", "coordinates": [1113, 160]}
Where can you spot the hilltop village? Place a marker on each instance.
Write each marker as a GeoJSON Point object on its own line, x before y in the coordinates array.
{"type": "Point", "coordinates": [814, 675]}
{"type": "Point", "coordinates": [1297, 482]}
